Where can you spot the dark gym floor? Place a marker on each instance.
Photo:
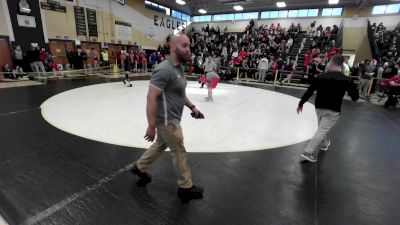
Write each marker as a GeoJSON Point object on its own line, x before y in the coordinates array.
{"type": "Point", "coordinates": [48, 176]}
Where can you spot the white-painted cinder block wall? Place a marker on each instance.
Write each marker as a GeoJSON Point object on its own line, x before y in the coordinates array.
{"type": "Point", "coordinates": [129, 15]}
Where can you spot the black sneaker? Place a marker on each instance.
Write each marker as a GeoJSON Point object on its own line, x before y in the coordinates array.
{"type": "Point", "coordinates": [144, 178]}
{"type": "Point", "coordinates": [130, 85]}
{"type": "Point", "coordinates": [186, 194]}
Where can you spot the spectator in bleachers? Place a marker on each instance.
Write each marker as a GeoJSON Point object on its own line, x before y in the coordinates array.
{"type": "Point", "coordinates": [367, 72]}
{"type": "Point", "coordinates": [262, 69]}
{"type": "Point", "coordinates": [321, 66]}
{"type": "Point", "coordinates": [355, 69]}
{"type": "Point", "coordinates": [288, 67]}
{"type": "Point", "coordinates": [18, 57]}
{"type": "Point", "coordinates": [96, 57]}
{"type": "Point", "coordinates": [393, 90]}
{"type": "Point", "coordinates": [245, 68]}
{"type": "Point", "coordinates": [71, 58]}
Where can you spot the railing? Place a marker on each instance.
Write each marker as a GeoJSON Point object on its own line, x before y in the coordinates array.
{"type": "Point", "coordinates": [61, 73]}
{"type": "Point", "coordinates": [235, 73]}
{"type": "Point", "coordinates": [339, 36]}
{"type": "Point", "coordinates": [371, 39]}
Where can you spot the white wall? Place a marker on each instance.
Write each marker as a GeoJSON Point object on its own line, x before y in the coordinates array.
{"type": "Point", "coordinates": [129, 14]}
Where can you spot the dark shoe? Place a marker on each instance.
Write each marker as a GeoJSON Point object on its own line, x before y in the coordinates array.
{"type": "Point", "coordinates": [130, 85]}
{"type": "Point", "coordinates": [124, 82]}
{"type": "Point", "coordinates": [144, 178]}
{"type": "Point", "coordinates": [186, 194]}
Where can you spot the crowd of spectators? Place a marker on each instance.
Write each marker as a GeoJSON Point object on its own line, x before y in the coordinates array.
{"type": "Point", "coordinates": [245, 50]}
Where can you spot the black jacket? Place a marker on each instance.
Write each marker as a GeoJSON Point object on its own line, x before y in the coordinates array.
{"type": "Point", "coordinates": [331, 88]}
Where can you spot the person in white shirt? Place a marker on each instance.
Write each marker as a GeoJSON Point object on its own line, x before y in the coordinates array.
{"type": "Point", "coordinates": [262, 69]}
{"type": "Point", "coordinates": [289, 43]}
{"type": "Point", "coordinates": [224, 53]}
{"type": "Point", "coordinates": [209, 65]}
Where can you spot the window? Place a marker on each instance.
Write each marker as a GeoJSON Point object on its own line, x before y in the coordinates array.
{"type": "Point", "coordinates": [303, 13]}
{"type": "Point", "coordinates": [238, 16]}
{"type": "Point", "coordinates": [332, 11]}
{"type": "Point", "coordinates": [273, 14]}
{"type": "Point", "coordinates": [386, 9]}
{"type": "Point", "coordinates": [253, 15]}
{"type": "Point", "coordinates": [313, 12]}
{"type": "Point", "coordinates": [265, 15]}
{"type": "Point", "coordinates": [394, 8]}
{"type": "Point", "coordinates": [327, 12]}
{"type": "Point", "coordinates": [222, 17]}
{"type": "Point", "coordinates": [166, 10]}
{"type": "Point", "coordinates": [157, 7]}
{"type": "Point", "coordinates": [185, 17]}
{"type": "Point", "coordinates": [283, 14]}
{"type": "Point", "coordinates": [290, 13]}
{"type": "Point", "coordinates": [201, 18]}
{"type": "Point", "coordinates": [379, 9]}
{"type": "Point", "coordinates": [337, 11]}
{"type": "Point", "coordinates": [180, 15]}
{"type": "Point", "coordinates": [293, 13]}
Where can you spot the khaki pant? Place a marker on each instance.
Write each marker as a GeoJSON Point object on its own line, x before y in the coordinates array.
{"type": "Point", "coordinates": [326, 120]}
{"type": "Point", "coordinates": [169, 136]}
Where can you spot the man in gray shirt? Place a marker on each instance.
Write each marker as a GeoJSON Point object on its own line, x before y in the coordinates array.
{"type": "Point", "coordinates": [366, 75]}
{"type": "Point", "coordinates": [165, 101]}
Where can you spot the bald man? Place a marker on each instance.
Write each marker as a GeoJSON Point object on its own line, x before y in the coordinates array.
{"type": "Point", "coordinates": [165, 101]}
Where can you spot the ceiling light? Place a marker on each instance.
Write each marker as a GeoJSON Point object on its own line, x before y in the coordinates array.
{"type": "Point", "coordinates": [180, 2]}
{"type": "Point", "coordinates": [281, 4]}
{"type": "Point", "coordinates": [202, 11]}
{"type": "Point", "coordinates": [238, 8]}
{"type": "Point", "coordinates": [333, 2]}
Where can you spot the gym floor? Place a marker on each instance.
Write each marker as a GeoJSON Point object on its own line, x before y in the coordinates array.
{"type": "Point", "coordinates": [48, 176]}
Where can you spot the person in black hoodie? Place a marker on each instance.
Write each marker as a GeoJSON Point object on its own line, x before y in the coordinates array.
{"type": "Point", "coordinates": [331, 88]}
{"type": "Point", "coordinates": [71, 58]}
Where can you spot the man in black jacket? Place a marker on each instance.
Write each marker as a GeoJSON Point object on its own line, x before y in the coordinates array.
{"type": "Point", "coordinates": [331, 88]}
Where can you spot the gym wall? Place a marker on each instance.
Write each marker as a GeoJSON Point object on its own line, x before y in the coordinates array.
{"type": "Point", "coordinates": [62, 25]}
{"type": "Point", "coordinates": [3, 24]}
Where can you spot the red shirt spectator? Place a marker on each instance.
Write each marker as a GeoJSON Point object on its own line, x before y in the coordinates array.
{"type": "Point", "coordinates": [307, 59]}
{"type": "Point", "coordinates": [243, 54]}
{"type": "Point", "coordinates": [42, 56]}
{"type": "Point", "coordinates": [144, 58]}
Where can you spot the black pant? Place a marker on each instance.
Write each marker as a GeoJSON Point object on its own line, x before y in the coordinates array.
{"type": "Point", "coordinates": [392, 96]}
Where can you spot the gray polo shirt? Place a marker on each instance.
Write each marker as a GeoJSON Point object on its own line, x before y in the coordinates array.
{"type": "Point", "coordinates": [367, 69]}
{"type": "Point", "coordinates": [169, 77]}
